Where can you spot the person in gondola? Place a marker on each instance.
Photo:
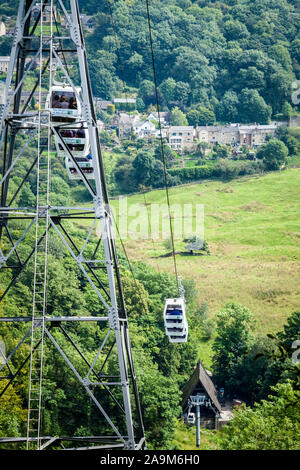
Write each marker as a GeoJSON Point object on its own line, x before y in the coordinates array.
{"type": "Point", "coordinates": [175, 312]}
{"type": "Point", "coordinates": [72, 103]}
{"type": "Point", "coordinates": [81, 133]}
{"type": "Point", "coordinates": [64, 102]}
{"type": "Point", "coordinates": [68, 133]}
{"type": "Point", "coordinates": [56, 102]}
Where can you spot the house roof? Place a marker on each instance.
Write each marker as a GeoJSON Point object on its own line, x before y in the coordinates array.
{"type": "Point", "coordinates": [181, 128]}
{"type": "Point", "coordinates": [162, 114]}
{"type": "Point", "coordinates": [124, 100]}
{"type": "Point", "coordinates": [200, 375]}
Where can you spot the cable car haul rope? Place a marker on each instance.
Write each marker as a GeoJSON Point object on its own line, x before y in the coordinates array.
{"type": "Point", "coordinates": [175, 321]}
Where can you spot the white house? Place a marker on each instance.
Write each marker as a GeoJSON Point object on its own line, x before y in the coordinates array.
{"type": "Point", "coordinates": [162, 117]}
{"type": "Point", "coordinates": [144, 129]}
{"type": "Point", "coordinates": [2, 29]}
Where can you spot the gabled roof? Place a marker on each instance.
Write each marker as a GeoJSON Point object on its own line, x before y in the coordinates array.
{"type": "Point", "coordinates": [200, 375]}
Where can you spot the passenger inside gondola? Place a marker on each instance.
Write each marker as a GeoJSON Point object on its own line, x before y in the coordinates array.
{"type": "Point", "coordinates": [174, 312]}
{"type": "Point", "coordinates": [73, 133]}
{"type": "Point", "coordinates": [64, 100]}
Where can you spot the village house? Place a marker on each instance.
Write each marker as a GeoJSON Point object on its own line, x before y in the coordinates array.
{"type": "Point", "coordinates": [46, 12]}
{"type": "Point", "coordinates": [144, 129]}
{"type": "Point", "coordinates": [101, 104]}
{"type": "Point", "coordinates": [218, 134]}
{"type": "Point", "coordinates": [4, 62]}
{"type": "Point", "coordinates": [87, 21]}
{"type": "Point", "coordinates": [163, 117]}
{"type": "Point", "coordinates": [181, 138]}
{"type": "Point", "coordinates": [252, 135]}
{"type": "Point", "coordinates": [125, 124]}
{"type": "Point", "coordinates": [2, 28]}
{"type": "Point", "coordinates": [212, 413]}
{"type": "Point", "coordinates": [100, 125]}
{"type": "Point", "coordinates": [125, 103]}
{"type": "Point", "coordinates": [255, 135]}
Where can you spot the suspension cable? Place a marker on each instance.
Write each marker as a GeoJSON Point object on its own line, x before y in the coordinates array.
{"type": "Point", "coordinates": [121, 69]}
{"type": "Point", "coordinates": [161, 139]}
{"type": "Point", "coordinates": [124, 249]}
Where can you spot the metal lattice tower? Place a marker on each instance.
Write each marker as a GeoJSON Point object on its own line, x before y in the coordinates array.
{"type": "Point", "coordinates": [40, 46]}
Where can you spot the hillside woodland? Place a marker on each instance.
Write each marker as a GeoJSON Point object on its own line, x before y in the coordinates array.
{"type": "Point", "coordinates": [233, 60]}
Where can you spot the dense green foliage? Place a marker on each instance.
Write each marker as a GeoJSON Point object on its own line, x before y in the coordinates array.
{"type": "Point", "coordinates": [161, 367]}
{"type": "Point", "coordinates": [228, 61]}
{"type": "Point", "coordinates": [249, 365]}
{"type": "Point", "coordinates": [273, 424]}
{"type": "Point", "coordinates": [233, 60]}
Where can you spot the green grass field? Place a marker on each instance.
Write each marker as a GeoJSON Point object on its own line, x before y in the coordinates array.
{"type": "Point", "coordinates": [185, 438]}
{"type": "Point", "coordinates": [252, 226]}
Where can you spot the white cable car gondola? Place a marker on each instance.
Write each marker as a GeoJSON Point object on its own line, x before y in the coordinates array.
{"type": "Point", "coordinates": [176, 326]}
{"type": "Point", "coordinates": [63, 104]}
{"type": "Point", "coordinates": [182, 338]}
{"type": "Point", "coordinates": [85, 164]}
{"type": "Point", "coordinates": [75, 139]}
{"type": "Point", "coordinates": [191, 418]}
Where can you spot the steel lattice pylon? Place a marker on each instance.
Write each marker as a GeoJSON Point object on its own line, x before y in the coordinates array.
{"type": "Point", "coordinates": [40, 46]}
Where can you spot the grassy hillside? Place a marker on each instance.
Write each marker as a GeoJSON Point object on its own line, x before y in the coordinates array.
{"type": "Point", "coordinates": [253, 231]}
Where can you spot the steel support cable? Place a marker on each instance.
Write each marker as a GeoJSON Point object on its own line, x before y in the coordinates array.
{"type": "Point", "coordinates": [117, 43]}
{"type": "Point", "coordinates": [161, 139]}
{"type": "Point", "coordinates": [149, 225]}
{"type": "Point", "coordinates": [121, 68]}
{"type": "Point", "coordinates": [125, 252]}
{"type": "Point", "coordinates": [59, 39]}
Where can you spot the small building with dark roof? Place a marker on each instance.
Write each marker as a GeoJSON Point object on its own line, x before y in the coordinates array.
{"type": "Point", "coordinates": [201, 384]}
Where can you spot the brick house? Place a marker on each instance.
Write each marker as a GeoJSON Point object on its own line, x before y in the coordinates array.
{"type": "Point", "coordinates": [181, 138]}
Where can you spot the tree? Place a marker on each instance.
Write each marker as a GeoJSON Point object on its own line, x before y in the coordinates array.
{"type": "Point", "coordinates": [233, 340]}
{"type": "Point", "coordinates": [193, 117]}
{"type": "Point", "coordinates": [279, 89]}
{"type": "Point", "coordinates": [287, 110]}
{"type": "Point", "coordinates": [251, 78]}
{"type": "Point", "coordinates": [167, 89]}
{"type": "Point", "coordinates": [273, 424]}
{"type": "Point", "coordinates": [178, 118]}
{"type": "Point", "coordinates": [12, 414]}
{"type": "Point", "coordinates": [274, 154]}
{"type": "Point", "coordinates": [253, 108]}
{"type": "Point", "coordinates": [227, 109]}
{"type": "Point", "coordinates": [147, 92]}
{"type": "Point", "coordinates": [281, 55]}
{"type": "Point", "coordinates": [169, 154]}
{"type": "Point", "coordinates": [125, 175]}
{"type": "Point", "coordinates": [201, 116]}
{"type": "Point", "coordinates": [143, 165]}
{"type": "Point", "coordinates": [290, 141]}
{"type": "Point", "coordinates": [235, 30]}
{"type": "Point", "coordinates": [182, 92]}
{"type": "Point", "coordinates": [291, 331]}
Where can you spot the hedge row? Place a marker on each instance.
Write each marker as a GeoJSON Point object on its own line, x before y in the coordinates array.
{"type": "Point", "coordinates": [223, 168]}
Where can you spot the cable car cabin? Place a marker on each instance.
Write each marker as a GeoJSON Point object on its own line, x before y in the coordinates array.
{"type": "Point", "coordinates": [174, 313]}
{"type": "Point", "coordinates": [75, 139]}
{"type": "Point", "coordinates": [63, 104]}
{"type": "Point", "coordinates": [191, 418]}
{"type": "Point", "coordinates": [176, 326]}
{"type": "Point", "coordinates": [85, 164]}
{"type": "Point", "coordinates": [179, 339]}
